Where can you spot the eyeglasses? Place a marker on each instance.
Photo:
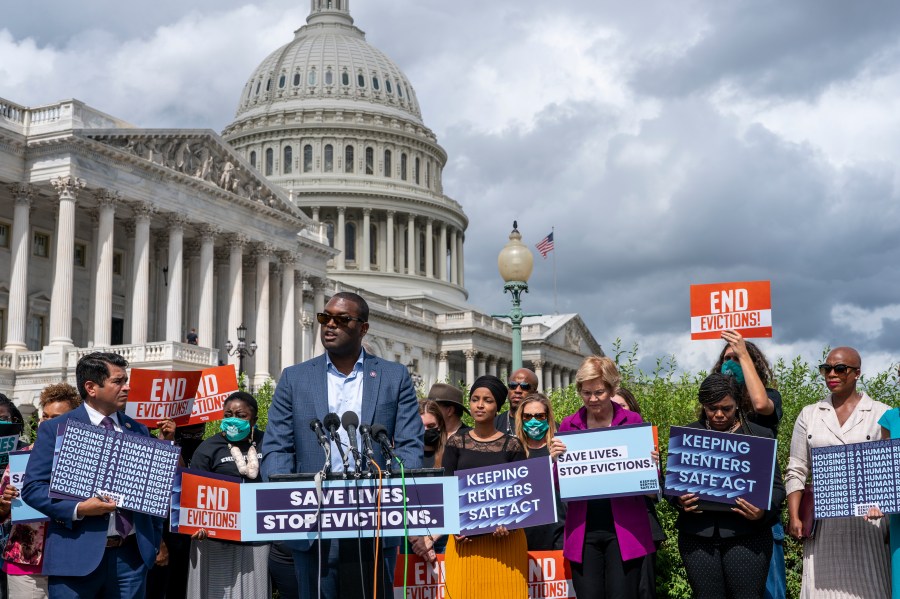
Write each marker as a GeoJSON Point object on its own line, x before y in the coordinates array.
{"type": "Point", "coordinates": [523, 386]}
{"type": "Point", "coordinates": [340, 320]}
{"type": "Point", "coordinates": [838, 368]}
{"type": "Point", "coordinates": [527, 417]}
{"type": "Point", "coordinates": [598, 393]}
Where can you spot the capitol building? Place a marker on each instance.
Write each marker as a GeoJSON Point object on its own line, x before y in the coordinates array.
{"type": "Point", "coordinates": [328, 179]}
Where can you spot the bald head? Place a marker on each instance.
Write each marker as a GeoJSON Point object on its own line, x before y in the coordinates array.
{"type": "Point", "coordinates": [516, 392]}
{"type": "Point", "coordinates": [845, 355]}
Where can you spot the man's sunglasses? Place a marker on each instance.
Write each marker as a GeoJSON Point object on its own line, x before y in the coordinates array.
{"type": "Point", "coordinates": [527, 417]}
{"type": "Point", "coordinates": [838, 368]}
{"type": "Point", "coordinates": [340, 320]}
{"type": "Point", "coordinates": [523, 386]}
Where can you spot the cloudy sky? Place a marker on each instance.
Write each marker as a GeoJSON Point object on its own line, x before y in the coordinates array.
{"type": "Point", "coordinates": [668, 143]}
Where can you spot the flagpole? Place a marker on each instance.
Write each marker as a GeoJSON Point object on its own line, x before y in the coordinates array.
{"type": "Point", "coordinates": [555, 300]}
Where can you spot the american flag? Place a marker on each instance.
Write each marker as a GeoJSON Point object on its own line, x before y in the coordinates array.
{"type": "Point", "coordinates": [545, 245]}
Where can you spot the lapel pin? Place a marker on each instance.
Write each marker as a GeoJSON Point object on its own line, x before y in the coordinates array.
{"type": "Point", "coordinates": [127, 425]}
{"type": "Point", "coordinates": [372, 374]}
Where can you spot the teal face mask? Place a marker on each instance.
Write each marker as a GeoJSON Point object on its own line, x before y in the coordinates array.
{"type": "Point", "coordinates": [235, 429]}
{"type": "Point", "coordinates": [734, 369]}
{"type": "Point", "coordinates": [536, 429]}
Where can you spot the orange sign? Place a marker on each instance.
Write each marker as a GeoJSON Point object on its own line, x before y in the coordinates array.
{"type": "Point", "coordinates": [161, 394]}
{"type": "Point", "coordinates": [210, 503]}
{"type": "Point", "coordinates": [549, 577]}
{"type": "Point", "coordinates": [744, 307]}
{"type": "Point", "coordinates": [215, 385]}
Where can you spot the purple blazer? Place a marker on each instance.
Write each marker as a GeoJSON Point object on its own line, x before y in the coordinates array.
{"type": "Point", "coordinates": [629, 513]}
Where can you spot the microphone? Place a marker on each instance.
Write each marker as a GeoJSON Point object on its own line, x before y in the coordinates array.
{"type": "Point", "coordinates": [316, 425]}
{"type": "Point", "coordinates": [350, 421]}
{"type": "Point", "coordinates": [365, 432]}
{"type": "Point", "coordinates": [332, 424]}
{"type": "Point", "coordinates": [379, 433]}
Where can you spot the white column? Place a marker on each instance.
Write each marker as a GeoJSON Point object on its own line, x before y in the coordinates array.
{"type": "Point", "coordinates": [565, 378]}
{"type": "Point", "coordinates": [340, 240]}
{"type": "Point", "coordinates": [442, 253]}
{"type": "Point", "coordinates": [175, 296]}
{"type": "Point", "coordinates": [288, 320]}
{"type": "Point", "coordinates": [366, 239]}
{"type": "Point", "coordinates": [492, 366]}
{"type": "Point", "coordinates": [443, 372]}
{"type": "Point", "coordinates": [454, 261]}
{"type": "Point", "coordinates": [17, 316]}
{"type": "Point", "coordinates": [539, 371]}
{"type": "Point", "coordinates": [205, 324]}
{"type": "Point", "coordinates": [318, 305]}
{"type": "Point", "coordinates": [470, 366]}
{"type": "Point", "coordinates": [461, 277]}
{"type": "Point", "coordinates": [482, 365]}
{"type": "Point", "coordinates": [106, 201]}
{"type": "Point", "coordinates": [140, 280]}
{"type": "Point", "coordinates": [61, 298]}
{"type": "Point", "coordinates": [236, 285]}
{"type": "Point", "coordinates": [429, 248]}
{"type": "Point", "coordinates": [389, 267]}
{"type": "Point", "coordinates": [306, 333]}
{"type": "Point", "coordinates": [557, 379]}
{"type": "Point", "coordinates": [411, 258]}
{"type": "Point", "coordinates": [261, 372]}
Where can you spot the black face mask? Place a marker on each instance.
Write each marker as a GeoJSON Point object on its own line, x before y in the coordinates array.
{"type": "Point", "coordinates": [432, 437]}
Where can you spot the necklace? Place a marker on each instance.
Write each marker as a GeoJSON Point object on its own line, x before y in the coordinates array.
{"type": "Point", "coordinates": [734, 427]}
{"type": "Point", "coordinates": [247, 467]}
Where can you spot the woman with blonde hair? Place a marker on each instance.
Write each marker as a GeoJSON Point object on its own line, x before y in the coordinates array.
{"type": "Point", "coordinates": [536, 428]}
{"type": "Point", "coordinates": [606, 540]}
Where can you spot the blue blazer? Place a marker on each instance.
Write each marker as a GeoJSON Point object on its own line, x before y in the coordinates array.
{"type": "Point", "coordinates": [75, 547]}
{"type": "Point", "coordinates": [302, 395]}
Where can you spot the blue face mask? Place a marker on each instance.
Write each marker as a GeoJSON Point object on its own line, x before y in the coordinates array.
{"type": "Point", "coordinates": [235, 429]}
{"type": "Point", "coordinates": [536, 429]}
{"type": "Point", "coordinates": [734, 369]}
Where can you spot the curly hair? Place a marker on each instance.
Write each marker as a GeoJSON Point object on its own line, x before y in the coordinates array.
{"type": "Point", "coordinates": [760, 363]}
{"type": "Point", "coordinates": [63, 392]}
{"type": "Point", "coordinates": [717, 387]}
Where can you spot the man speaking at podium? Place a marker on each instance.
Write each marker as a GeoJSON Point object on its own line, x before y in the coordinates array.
{"type": "Point", "coordinates": [345, 379]}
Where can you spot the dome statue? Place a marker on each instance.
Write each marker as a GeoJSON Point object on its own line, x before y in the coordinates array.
{"type": "Point", "coordinates": [336, 123]}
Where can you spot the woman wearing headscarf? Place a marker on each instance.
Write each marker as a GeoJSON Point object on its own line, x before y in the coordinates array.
{"type": "Point", "coordinates": [727, 553]}
{"type": "Point", "coordinates": [489, 566]}
{"type": "Point", "coordinates": [220, 568]}
{"type": "Point", "coordinates": [606, 540]}
{"type": "Point", "coordinates": [847, 557]}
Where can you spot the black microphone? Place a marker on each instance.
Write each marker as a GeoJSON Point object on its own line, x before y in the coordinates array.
{"type": "Point", "coordinates": [316, 425]}
{"type": "Point", "coordinates": [350, 421]}
{"type": "Point", "coordinates": [365, 431]}
{"type": "Point", "coordinates": [379, 433]}
{"type": "Point", "coordinates": [332, 424]}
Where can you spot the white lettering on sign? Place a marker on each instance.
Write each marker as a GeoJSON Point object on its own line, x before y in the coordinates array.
{"type": "Point", "coordinates": [732, 300]}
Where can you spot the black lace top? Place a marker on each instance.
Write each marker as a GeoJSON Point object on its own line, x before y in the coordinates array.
{"type": "Point", "coordinates": [463, 452]}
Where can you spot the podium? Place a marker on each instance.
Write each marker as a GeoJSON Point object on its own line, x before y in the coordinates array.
{"type": "Point", "coordinates": [368, 475]}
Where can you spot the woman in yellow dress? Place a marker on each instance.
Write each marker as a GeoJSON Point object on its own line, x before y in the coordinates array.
{"type": "Point", "coordinates": [489, 566]}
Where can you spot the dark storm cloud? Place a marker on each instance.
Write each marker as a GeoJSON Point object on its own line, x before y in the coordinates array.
{"type": "Point", "coordinates": [786, 49]}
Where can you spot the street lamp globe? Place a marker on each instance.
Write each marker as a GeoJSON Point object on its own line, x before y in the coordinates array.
{"type": "Point", "coordinates": [515, 261]}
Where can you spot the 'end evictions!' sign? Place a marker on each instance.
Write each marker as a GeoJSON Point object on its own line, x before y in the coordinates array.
{"type": "Point", "coordinates": [744, 307]}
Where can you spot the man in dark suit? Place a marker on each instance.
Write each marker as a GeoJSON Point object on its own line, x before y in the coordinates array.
{"type": "Point", "coordinates": [92, 549]}
{"type": "Point", "coordinates": [521, 383]}
{"type": "Point", "coordinates": [345, 378]}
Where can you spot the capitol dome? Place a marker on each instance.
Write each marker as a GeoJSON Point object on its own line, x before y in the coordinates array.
{"type": "Point", "coordinates": [336, 123]}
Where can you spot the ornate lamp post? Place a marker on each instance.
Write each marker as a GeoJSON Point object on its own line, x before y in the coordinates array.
{"type": "Point", "coordinates": [241, 350]}
{"type": "Point", "coordinates": [515, 263]}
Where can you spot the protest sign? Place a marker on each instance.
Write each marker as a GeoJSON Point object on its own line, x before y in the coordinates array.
{"type": "Point", "coordinates": [160, 394]}
{"type": "Point", "coordinates": [9, 441]}
{"type": "Point", "coordinates": [745, 307]}
{"type": "Point", "coordinates": [607, 462]}
{"type": "Point", "coordinates": [21, 511]}
{"type": "Point", "coordinates": [849, 479]}
{"type": "Point", "coordinates": [350, 508]}
{"type": "Point", "coordinates": [515, 495]}
{"type": "Point", "coordinates": [549, 577]}
{"type": "Point", "coordinates": [215, 385]}
{"type": "Point", "coordinates": [208, 501]}
{"type": "Point", "coordinates": [720, 467]}
{"type": "Point", "coordinates": [136, 471]}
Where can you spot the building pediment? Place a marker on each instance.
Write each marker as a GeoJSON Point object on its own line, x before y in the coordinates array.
{"type": "Point", "coordinates": [201, 156]}
{"type": "Point", "coordinates": [566, 331]}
